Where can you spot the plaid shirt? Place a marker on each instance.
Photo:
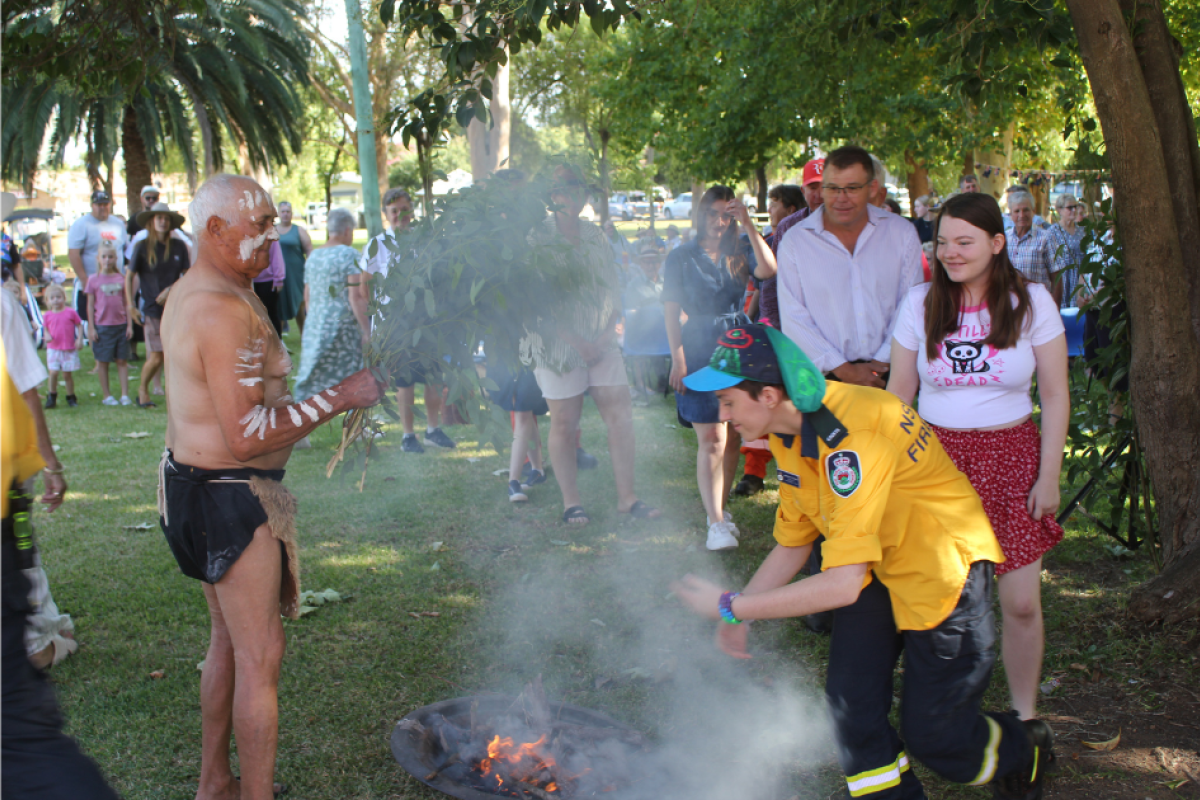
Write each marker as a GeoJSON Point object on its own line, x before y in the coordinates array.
{"type": "Point", "coordinates": [1033, 255]}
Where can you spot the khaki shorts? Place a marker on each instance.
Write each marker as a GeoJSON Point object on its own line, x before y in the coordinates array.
{"type": "Point", "coordinates": [609, 372]}
{"type": "Point", "coordinates": [153, 337]}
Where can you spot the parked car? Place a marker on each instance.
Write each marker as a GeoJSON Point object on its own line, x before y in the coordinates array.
{"type": "Point", "coordinates": [641, 206]}
{"type": "Point", "coordinates": [619, 206]}
{"type": "Point", "coordinates": [678, 207]}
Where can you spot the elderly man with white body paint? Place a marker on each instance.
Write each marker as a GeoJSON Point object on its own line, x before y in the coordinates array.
{"type": "Point", "coordinates": [230, 523]}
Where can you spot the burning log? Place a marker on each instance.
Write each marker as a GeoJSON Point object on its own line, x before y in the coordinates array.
{"type": "Point", "coordinates": [524, 747]}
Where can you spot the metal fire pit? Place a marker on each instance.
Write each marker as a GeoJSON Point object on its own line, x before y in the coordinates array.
{"type": "Point", "coordinates": [405, 742]}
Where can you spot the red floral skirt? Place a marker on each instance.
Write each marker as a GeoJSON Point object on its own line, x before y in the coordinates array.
{"type": "Point", "coordinates": [1003, 466]}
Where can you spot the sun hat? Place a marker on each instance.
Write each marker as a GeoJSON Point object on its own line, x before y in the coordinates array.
{"type": "Point", "coordinates": [762, 354]}
{"type": "Point", "coordinates": [143, 218]}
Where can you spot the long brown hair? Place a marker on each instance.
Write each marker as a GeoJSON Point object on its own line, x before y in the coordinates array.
{"type": "Point", "coordinates": [735, 261]}
{"type": "Point", "coordinates": [944, 303]}
{"type": "Point", "coordinates": [152, 240]}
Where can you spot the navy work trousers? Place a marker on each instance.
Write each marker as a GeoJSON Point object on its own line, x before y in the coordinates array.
{"type": "Point", "coordinates": [39, 761]}
{"type": "Point", "coordinates": [946, 671]}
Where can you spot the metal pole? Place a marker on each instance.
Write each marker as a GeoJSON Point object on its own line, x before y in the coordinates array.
{"type": "Point", "coordinates": [363, 118]}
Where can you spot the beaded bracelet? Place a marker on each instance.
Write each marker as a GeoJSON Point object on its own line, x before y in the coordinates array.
{"type": "Point", "coordinates": [725, 606]}
{"type": "Point", "coordinates": [49, 471]}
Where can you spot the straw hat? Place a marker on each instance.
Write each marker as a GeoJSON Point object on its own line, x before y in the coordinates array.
{"type": "Point", "coordinates": [143, 218]}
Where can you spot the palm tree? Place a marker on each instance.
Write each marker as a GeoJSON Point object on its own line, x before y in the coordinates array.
{"type": "Point", "coordinates": [228, 76]}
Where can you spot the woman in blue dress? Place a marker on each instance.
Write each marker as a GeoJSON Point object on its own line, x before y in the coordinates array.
{"type": "Point", "coordinates": [706, 280]}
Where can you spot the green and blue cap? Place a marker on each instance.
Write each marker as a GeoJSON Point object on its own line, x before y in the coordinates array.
{"type": "Point", "coordinates": [761, 354]}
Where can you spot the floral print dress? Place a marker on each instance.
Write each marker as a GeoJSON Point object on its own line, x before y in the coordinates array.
{"type": "Point", "coordinates": [331, 348]}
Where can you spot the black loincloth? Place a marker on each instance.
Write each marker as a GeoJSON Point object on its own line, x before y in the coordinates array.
{"type": "Point", "coordinates": [209, 517]}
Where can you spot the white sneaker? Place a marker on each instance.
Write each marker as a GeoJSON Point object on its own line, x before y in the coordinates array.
{"type": "Point", "coordinates": [720, 536]}
{"type": "Point", "coordinates": [125, 401]}
{"type": "Point", "coordinates": [728, 519]}
{"type": "Point", "coordinates": [110, 401]}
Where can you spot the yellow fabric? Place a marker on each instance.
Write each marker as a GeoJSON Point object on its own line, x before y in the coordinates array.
{"type": "Point", "coordinates": [19, 457]}
{"type": "Point", "coordinates": [914, 519]}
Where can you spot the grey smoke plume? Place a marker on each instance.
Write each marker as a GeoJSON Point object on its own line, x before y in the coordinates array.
{"type": "Point", "coordinates": [725, 728]}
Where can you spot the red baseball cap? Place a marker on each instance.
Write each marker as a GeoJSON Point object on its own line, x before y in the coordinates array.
{"type": "Point", "coordinates": [813, 170]}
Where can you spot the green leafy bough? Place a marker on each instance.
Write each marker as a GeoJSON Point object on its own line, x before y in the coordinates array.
{"type": "Point", "coordinates": [468, 281]}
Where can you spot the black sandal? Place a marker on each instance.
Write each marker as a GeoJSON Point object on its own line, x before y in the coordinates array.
{"type": "Point", "coordinates": [640, 510]}
{"type": "Point", "coordinates": [575, 513]}
{"type": "Point", "coordinates": [146, 404]}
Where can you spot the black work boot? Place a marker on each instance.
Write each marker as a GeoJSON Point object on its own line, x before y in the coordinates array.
{"type": "Point", "coordinates": [51, 400]}
{"type": "Point", "coordinates": [748, 485]}
{"type": "Point", "coordinates": [1027, 782]}
{"type": "Point", "coordinates": [71, 401]}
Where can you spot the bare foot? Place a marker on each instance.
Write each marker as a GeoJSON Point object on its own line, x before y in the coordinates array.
{"type": "Point", "coordinates": [232, 790]}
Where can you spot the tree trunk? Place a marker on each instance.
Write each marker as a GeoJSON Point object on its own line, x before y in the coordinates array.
{"type": "Point", "coordinates": [1165, 359]}
{"type": "Point", "coordinates": [697, 192]}
{"type": "Point", "coordinates": [998, 181]}
{"type": "Point", "coordinates": [137, 165]}
{"type": "Point", "coordinates": [1155, 53]}
{"type": "Point", "coordinates": [605, 181]}
{"type": "Point", "coordinates": [760, 175]}
{"type": "Point", "coordinates": [918, 177]}
{"type": "Point", "coordinates": [490, 145]}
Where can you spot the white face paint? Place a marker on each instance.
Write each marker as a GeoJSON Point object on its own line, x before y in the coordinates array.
{"type": "Point", "coordinates": [248, 200]}
{"type": "Point", "coordinates": [251, 243]}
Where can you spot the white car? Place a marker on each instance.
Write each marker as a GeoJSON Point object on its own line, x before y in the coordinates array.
{"type": "Point", "coordinates": [679, 207]}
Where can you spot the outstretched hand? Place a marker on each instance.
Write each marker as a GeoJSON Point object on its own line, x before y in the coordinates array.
{"type": "Point", "coordinates": [700, 595]}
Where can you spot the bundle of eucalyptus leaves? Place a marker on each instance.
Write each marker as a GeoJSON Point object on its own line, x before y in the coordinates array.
{"type": "Point", "coordinates": [469, 279]}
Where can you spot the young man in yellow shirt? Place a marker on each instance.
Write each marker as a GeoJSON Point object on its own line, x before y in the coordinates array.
{"type": "Point", "coordinates": [908, 561]}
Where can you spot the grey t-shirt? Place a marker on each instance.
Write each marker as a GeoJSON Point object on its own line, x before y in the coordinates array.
{"type": "Point", "coordinates": [86, 234]}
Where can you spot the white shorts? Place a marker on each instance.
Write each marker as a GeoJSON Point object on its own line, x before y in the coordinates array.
{"type": "Point", "coordinates": [609, 372]}
{"type": "Point", "coordinates": [62, 360]}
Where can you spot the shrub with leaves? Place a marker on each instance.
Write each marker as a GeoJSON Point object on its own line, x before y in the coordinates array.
{"type": "Point", "coordinates": [468, 277]}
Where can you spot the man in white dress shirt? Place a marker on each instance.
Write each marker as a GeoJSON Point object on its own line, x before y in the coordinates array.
{"type": "Point", "coordinates": [844, 271]}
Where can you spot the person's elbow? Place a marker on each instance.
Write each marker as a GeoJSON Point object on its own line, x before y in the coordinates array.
{"type": "Point", "coordinates": [845, 585]}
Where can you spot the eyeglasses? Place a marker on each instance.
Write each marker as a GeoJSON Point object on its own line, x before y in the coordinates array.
{"type": "Point", "coordinates": [838, 191]}
{"type": "Point", "coordinates": [1069, 208]}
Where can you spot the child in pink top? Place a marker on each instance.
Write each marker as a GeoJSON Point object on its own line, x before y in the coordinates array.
{"type": "Point", "coordinates": [66, 337]}
{"type": "Point", "coordinates": [110, 324]}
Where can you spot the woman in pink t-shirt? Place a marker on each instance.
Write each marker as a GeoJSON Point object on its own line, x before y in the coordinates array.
{"type": "Point", "coordinates": [970, 342]}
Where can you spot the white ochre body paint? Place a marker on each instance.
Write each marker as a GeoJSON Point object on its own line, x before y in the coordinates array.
{"type": "Point", "coordinates": [322, 403]}
{"type": "Point", "coordinates": [309, 411]}
{"type": "Point", "coordinates": [249, 381]}
{"type": "Point", "coordinates": [256, 420]}
{"type": "Point", "coordinates": [295, 415]}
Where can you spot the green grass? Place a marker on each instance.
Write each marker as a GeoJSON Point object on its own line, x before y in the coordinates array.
{"type": "Point", "coordinates": [518, 595]}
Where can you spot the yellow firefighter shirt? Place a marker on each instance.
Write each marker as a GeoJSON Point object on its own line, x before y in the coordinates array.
{"type": "Point", "coordinates": [870, 475]}
{"type": "Point", "coordinates": [19, 457]}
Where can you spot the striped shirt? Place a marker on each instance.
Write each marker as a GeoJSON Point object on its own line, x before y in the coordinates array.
{"type": "Point", "coordinates": [1068, 256]}
{"type": "Point", "coordinates": [586, 315]}
{"type": "Point", "coordinates": [1033, 255]}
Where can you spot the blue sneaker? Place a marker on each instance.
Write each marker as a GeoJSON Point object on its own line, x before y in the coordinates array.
{"type": "Point", "coordinates": [439, 438]}
{"type": "Point", "coordinates": [515, 495]}
{"type": "Point", "coordinates": [409, 444]}
{"type": "Point", "coordinates": [536, 476]}
{"type": "Point", "coordinates": [585, 460]}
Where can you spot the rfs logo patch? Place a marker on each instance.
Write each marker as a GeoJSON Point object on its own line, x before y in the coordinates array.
{"type": "Point", "coordinates": [844, 472]}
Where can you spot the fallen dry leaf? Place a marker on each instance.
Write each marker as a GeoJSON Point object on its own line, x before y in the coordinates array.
{"type": "Point", "coordinates": [1079, 667]}
{"type": "Point", "coordinates": [145, 526]}
{"type": "Point", "coordinates": [1110, 744]}
{"type": "Point", "coordinates": [137, 435]}
{"type": "Point", "coordinates": [419, 614]}
{"type": "Point", "coordinates": [158, 673]}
